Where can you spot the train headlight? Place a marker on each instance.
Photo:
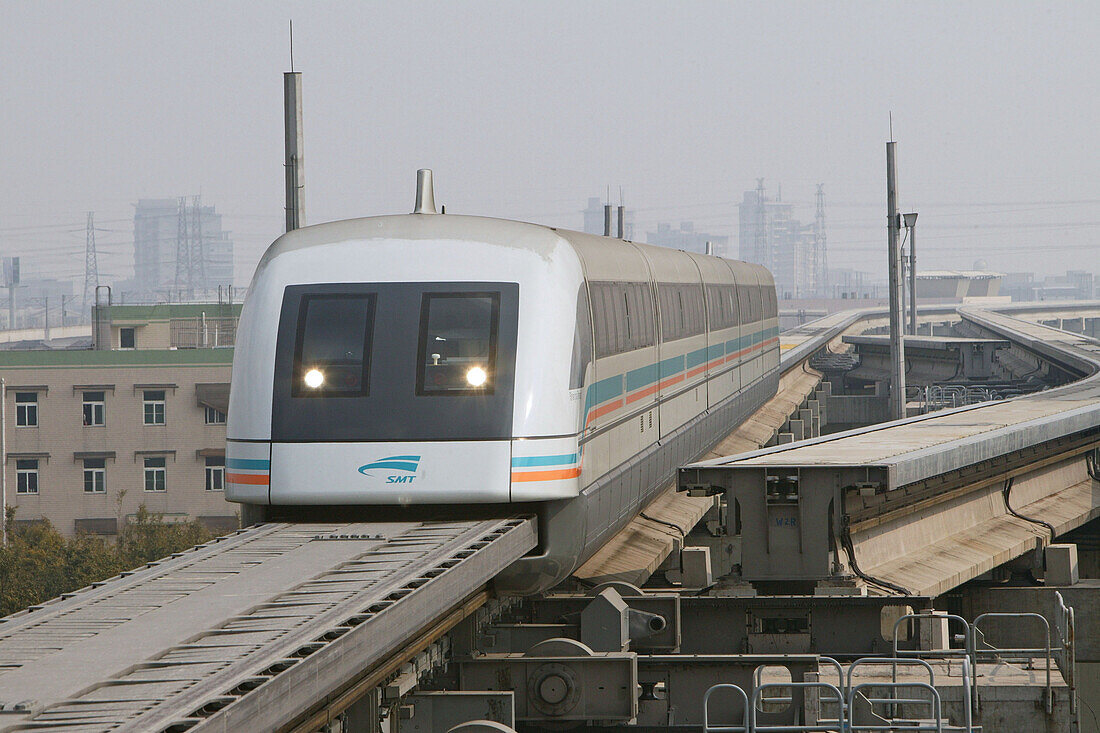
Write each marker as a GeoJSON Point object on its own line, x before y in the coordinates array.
{"type": "Point", "coordinates": [314, 378]}
{"type": "Point", "coordinates": [476, 376]}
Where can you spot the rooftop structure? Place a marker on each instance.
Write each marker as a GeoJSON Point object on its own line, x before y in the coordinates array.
{"type": "Point", "coordinates": [958, 284]}
{"type": "Point", "coordinates": [94, 433]}
{"type": "Point", "coordinates": [687, 239]}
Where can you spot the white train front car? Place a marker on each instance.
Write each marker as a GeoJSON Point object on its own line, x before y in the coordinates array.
{"type": "Point", "coordinates": [451, 365]}
{"type": "Point", "coordinates": [376, 364]}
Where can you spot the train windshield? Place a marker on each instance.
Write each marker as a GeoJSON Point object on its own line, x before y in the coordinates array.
{"type": "Point", "coordinates": [332, 357]}
{"type": "Point", "coordinates": [457, 343]}
{"type": "Point", "coordinates": [395, 361]}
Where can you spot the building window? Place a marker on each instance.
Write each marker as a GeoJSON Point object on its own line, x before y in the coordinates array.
{"type": "Point", "coordinates": [214, 417]}
{"type": "Point", "coordinates": [215, 473]}
{"type": "Point", "coordinates": [125, 338]}
{"type": "Point", "coordinates": [154, 407]}
{"type": "Point", "coordinates": [26, 476]}
{"type": "Point", "coordinates": [93, 409]}
{"type": "Point", "coordinates": [26, 409]}
{"type": "Point", "coordinates": [155, 474]}
{"type": "Point", "coordinates": [95, 475]}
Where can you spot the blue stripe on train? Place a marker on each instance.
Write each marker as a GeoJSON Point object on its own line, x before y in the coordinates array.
{"type": "Point", "coordinates": [566, 459]}
{"type": "Point", "coordinates": [247, 463]}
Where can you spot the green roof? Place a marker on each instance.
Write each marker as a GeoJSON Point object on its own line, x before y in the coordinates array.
{"type": "Point", "coordinates": [70, 358]}
{"type": "Point", "coordinates": [166, 311]}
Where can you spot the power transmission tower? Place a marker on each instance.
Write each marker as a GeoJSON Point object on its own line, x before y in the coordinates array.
{"type": "Point", "coordinates": [183, 249]}
{"type": "Point", "coordinates": [821, 253]}
{"type": "Point", "coordinates": [91, 266]}
{"type": "Point", "coordinates": [197, 270]}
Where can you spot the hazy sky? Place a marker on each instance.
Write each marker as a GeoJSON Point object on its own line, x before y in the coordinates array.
{"type": "Point", "coordinates": [525, 109]}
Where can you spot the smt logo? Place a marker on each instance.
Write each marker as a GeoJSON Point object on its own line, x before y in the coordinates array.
{"type": "Point", "coordinates": [409, 464]}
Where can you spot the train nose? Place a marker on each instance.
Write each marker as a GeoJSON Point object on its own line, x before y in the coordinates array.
{"type": "Point", "coordinates": [390, 473]}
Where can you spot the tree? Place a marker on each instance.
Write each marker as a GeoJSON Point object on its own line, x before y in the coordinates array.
{"type": "Point", "coordinates": [39, 563]}
{"type": "Point", "coordinates": [150, 538]}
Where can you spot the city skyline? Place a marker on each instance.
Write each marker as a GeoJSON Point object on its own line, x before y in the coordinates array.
{"type": "Point", "coordinates": [967, 86]}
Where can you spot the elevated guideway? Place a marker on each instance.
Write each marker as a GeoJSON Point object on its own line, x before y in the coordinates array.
{"type": "Point", "coordinates": [922, 505]}
{"type": "Point", "coordinates": [634, 554]}
{"type": "Point", "coordinates": [249, 632]}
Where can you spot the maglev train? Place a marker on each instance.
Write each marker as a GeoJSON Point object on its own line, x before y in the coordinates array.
{"type": "Point", "coordinates": [440, 365]}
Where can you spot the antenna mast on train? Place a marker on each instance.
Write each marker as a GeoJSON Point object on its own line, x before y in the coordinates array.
{"type": "Point", "coordinates": [294, 144]}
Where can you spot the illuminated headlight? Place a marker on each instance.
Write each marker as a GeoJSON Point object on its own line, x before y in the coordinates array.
{"type": "Point", "coordinates": [314, 378]}
{"type": "Point", "coordinates": [476, 376]}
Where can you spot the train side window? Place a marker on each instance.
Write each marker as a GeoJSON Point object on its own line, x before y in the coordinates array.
{"type": "Point", "coordinates": [603, 312]}
{"type": "Point", "coordinates": [666, 311]}
{"type": "Point", "coordinates": [716, 311]}
{"type": "Point", "coordinates": [672, 314]}
{"type": "Point", "coordinates": [697, 317]}
{"type": "Point", "coordinates": [735, 311]}
{"type": "Point", "coordinates": [743, 302]}
{"type": "Point", "coordinates": [599, 324]}
{"type": "Point", "coordinates": [618, 292]}
{"type": "Point", "coordinates": [610, 319]}
{"type": "Point", "coordinates": [458, 335]}
{"type": "Point", "coordinates": [643, 310]}
{"type": "Point", "coordinates": [582, 342]}
{"type": "Point", "coordinates": [332, 350]}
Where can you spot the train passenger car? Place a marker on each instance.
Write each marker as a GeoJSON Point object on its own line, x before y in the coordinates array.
{"type": "Point", "coordinates": [443, 364]}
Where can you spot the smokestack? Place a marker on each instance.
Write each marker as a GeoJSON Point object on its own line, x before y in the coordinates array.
{"type": "Point", "coordinates": [293, 164]}
{"type": "Point", "coordinates": [425, 192]}
{"type": "Point", "coordinates": [622, 222]}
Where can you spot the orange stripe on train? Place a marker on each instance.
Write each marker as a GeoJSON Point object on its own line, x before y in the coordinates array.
{"type": "Point", "coordinates": [248, 478]}
{"type": "Point", "coordinates": [546, 475]}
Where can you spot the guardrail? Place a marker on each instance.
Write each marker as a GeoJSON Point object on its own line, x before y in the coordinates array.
{"type": "Point", "coordinates": [996, 653]}
{"type": "Point", "coordinates": [1066, 658]}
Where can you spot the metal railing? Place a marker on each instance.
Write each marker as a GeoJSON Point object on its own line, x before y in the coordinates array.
{"type": "Point", "coordinates": [933, 703]}
{"type": "Point", "coordinates": [1029, 653]}
{"type": "Point", "coordinates": [822, 726]}
{"type": "Point", "coordinates": [203, 332]}
{"type": "Point", "coordinates": [743, 728]}
{"type": "Point", "coordinates": [1065, 625]}
{"type": "Point", "coordinates": [966, 652]}
{"type": "Point", "coordinates": [1060, 648]}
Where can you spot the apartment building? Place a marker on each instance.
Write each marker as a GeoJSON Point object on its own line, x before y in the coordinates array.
{"type": "Point", "coordinates": [92, 434]}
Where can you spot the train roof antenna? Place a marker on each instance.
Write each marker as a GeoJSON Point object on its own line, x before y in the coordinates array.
{"type": "Point", "coordinates": [425, 192]}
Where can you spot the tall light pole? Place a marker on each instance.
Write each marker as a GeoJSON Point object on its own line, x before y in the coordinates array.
{"type": "Point", "coordinates": [897, 296]}
{"type": "Point", "coordinates": [293, 144]}
{"type": "Point", "coordinates": [911, 226]}
{"type": "Point", "coordinates": [4, 457]}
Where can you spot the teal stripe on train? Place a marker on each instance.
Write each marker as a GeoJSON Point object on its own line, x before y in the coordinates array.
{"type": "Point", "coordinates": [254, 464]}
{"type": "Point", "coordinates": [612, 387]}
{"type": "Point", "coordinates": [565, 459]}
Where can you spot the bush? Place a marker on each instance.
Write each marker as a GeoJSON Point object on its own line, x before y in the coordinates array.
{"type": "Point", "coordinates": [39, 563]}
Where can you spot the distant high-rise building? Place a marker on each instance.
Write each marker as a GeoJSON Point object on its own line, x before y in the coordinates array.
{"type": "Point", "coordinates": [180, 250]}
{"type": "Point", "coordinates": [593, 216]}
{"type": "Point", "coordinates": [687, 239]}
{"type": "Point", "coordinates": [794, 252]}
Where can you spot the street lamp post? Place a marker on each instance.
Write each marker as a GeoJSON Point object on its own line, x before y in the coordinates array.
{"type": "Point", "coordinates": [911, 225]}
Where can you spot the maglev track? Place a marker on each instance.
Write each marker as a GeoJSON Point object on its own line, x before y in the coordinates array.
{"type": "Point", "coordinates": [244, 632]}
